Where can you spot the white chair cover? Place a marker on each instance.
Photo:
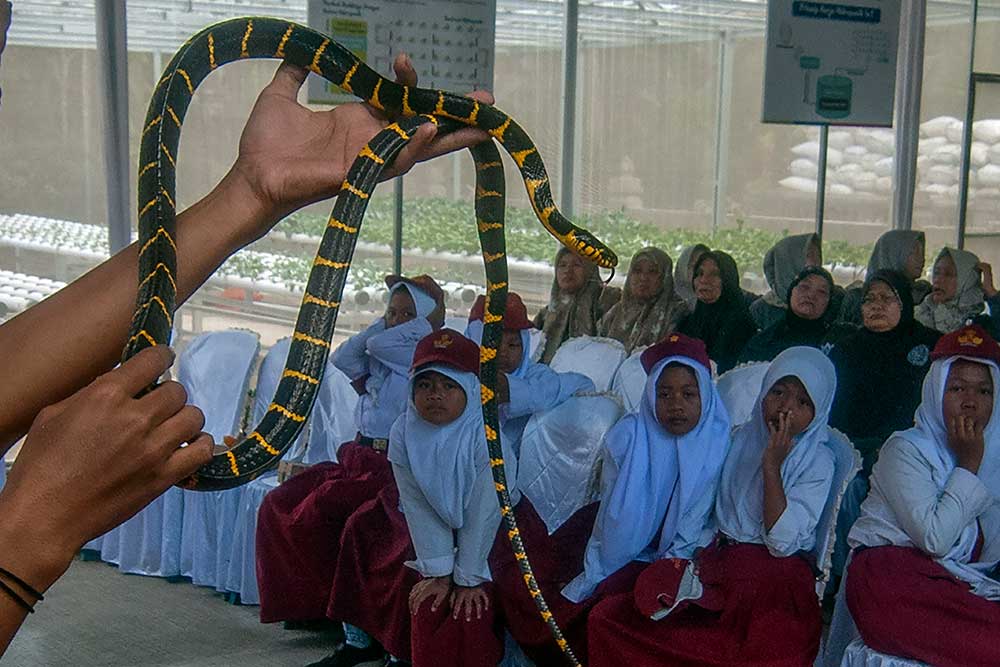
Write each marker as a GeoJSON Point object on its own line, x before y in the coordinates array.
{"type": "Point", "coordinates": [630, 381]}
{"type": "Point", "coordinates": [859, 655]}
{"type": "Point", "coordinates": [332, 418]}
{"type": "Point", "coordinates": [597, 358]}
{"type": "Point", "coordinates": [739, 388]}
{"type": "Point", "coordinates": [847, 463]}
{"type": "Point", "coordinates": [215, 368]}
{"type": "Point", "coordinates": [240, 575]}
{"type": "Point", "coordinates": [560, 456]}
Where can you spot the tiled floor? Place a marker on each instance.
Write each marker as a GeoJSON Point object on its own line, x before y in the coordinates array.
{"type": "Point", "coordinates": [97, 617]}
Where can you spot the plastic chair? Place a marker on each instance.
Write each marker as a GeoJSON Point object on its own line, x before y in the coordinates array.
{"type": "Point", "coordinates": [215, 368]}
{"type": "Point", "coordinates": [847, 463]}
{"type": "Point", "coordinates": [739, 388]}
{"type": "Point", "coordinates": [630, 381]}
{"type": "Point", "coordinates": [560, 456]}
{"type": "Point", "coordinates": [597, 358]}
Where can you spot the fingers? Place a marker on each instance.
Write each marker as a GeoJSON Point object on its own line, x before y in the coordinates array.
{"type": "Point", "coordinates": [413, 152]}
{"type": "Point", "coordinates": [287, 81]}
{"type": "Point", "coordinates": [141, 370]}
{"type": "Point", "coordinates": [439, 597]}
{"type": "Point", "coordinates": [163, 402]}
{"type": "Point", "coordinates": [403, 67]}
{"type": "Point", "coordinates": [186, 460]}
{"type": "Point", "coordinates": [183, 427]}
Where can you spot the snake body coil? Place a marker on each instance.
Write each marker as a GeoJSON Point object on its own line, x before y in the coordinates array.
{"type": "Point", "coordinates": [245, 38]}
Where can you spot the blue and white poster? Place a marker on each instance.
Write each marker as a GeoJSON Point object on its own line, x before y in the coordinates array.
{"type": "Point", "coordinates": [831, 63]}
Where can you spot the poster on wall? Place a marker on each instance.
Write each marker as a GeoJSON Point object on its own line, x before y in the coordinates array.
{"type": "Point", "coordinates": [451, 42]}
{"type": "Point", "coordinates": [831, 63]}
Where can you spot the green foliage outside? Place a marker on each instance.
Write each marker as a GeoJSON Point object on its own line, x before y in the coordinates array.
{"type": "Point", "coordinates": [448, 225]}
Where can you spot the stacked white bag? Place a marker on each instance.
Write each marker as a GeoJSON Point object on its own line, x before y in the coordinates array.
{"type": "Point", "coordinates": [860, 160]}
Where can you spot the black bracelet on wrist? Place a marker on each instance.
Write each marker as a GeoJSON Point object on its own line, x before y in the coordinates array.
{"type": "Point", "coordinates": [17, 598]}
{"type": "Point", "coordinates": [23, 584]}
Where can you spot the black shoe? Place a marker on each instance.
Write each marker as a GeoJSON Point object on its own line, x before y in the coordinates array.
{"type": "Point", "coordinates": [349, 656]}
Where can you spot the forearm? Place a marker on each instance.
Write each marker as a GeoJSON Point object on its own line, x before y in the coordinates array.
{"type": "Point", "coordinates": [63, 343]}
{"type": "Point", "coordinates": [774, 497]}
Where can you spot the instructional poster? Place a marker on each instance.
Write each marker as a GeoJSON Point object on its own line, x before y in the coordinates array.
{"type": "Point", "coordinates": [450, 42]}
{"type": "Point", "coordinates": [831, 63]}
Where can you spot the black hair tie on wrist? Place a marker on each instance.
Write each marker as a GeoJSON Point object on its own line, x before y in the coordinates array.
{"type": "Point", "coordinates": [17, 598]}
{"type": "Point", "coordinates": [22, 583]}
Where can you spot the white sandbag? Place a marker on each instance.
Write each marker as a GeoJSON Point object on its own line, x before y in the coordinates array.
{"type": "Point", "coordinates": [630, 381]}
{"type": "Point", "coordinates": [560, 456]}
{"type": "Point", "coordinates": [839, 139]}
{"type": "Point", "coordinates": [808, 149]}
{"type": "Point", "coordinates": [854, 153]}
{"type": "Point", "coordinates": [804, 168]}
{"type": "Point", "coordinates": [865, 182]}
{"type": "Point", "coordinates": [931, 144]}
{"type": "Point", "coordinates": [597, 358]}
{"type": "Point", "coordinates": [986, 130]}
{"type": "Point", "coordinates": [947, 155]}
{"type": "Point", "coordinates": [869, 160]}
{"type": "Point", "coordinates": [994, 153]}
{"type": "Point", "coordinates": [884, 167]}
{"type": "Point", "coordinates": [980, 154]}
{"type": "Point", "coordinates": [834, 158]}
{"type": "Point", "coordinates": [936, 127]}
{"type": "Point", "coordinates": [923, 163]}
{"type": "Point", "coordinates": [988, 176]}
{"type": "Point", "coordinates": [988, 193]}
{"type": "Point", "coordinates": [798, 184]}
{"type": "Point", "coordinates": [883, 184]}
{"type": "Point", "coordinates": [941, 175]}
{"type": "Point", "coordinates": [841, 189]}
{"type": "Point", "coordinates": [739, 388]}
{"type": "Point", "coordinates": [935, 190]}
{"type": "Point", "coordinates": [879, 141]}
{"type": "Point", "coordinates": [955, 132]}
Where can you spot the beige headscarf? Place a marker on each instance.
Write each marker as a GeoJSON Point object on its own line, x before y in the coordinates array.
{"type": "Point", "coordinates": [636, 323]}
{"type": "Point", "coordinates": [570, 315]}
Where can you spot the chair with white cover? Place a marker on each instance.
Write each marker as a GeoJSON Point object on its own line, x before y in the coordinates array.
{"type": "Point", "coordinates": [847, 463]}
{"type": "Point", "coordinates": [739, 388]}
{"type": "Point", "coordinates": [215, 369]}
{"type": "Point", "coordinates": [332, 418]}
{"type": "Point", "coordinates": [630, 381]}
{"type": "Point", "coordinates": [241, 576]}
{"type": "Point", "coordinates": [560, 455]}
{"type": "Point", "coordinates": [597, 358]}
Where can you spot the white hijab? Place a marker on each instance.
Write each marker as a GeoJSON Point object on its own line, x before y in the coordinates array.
{"type": "Point", "coordinates": [740, 504]}
{"type": "Point", "coordinates": [929, 436]}
{"type": "Point", "coordinates": [423, 303]}
{"type": "Point", "coordinates": [661, 476]}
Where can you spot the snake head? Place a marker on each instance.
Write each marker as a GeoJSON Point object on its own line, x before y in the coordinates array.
{"type": "Point", "coordinates": [590, 248]}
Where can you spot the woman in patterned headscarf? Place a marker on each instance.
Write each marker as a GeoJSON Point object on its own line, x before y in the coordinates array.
{"type": "Point", "coordinates": [649, 308]}
{"type": "Point", "coordinates": [576, 303]}
{"type": "Point", "coordinates": [957, 293]}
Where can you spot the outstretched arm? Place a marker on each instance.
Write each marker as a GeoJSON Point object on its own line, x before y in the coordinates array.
{"type": "Point", "coordinates": [289, 156]}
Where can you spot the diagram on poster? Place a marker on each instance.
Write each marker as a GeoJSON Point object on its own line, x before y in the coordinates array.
{"type": "Point", "coordinates": [831, 63]}
{"type": "Point", "coordinates": [450, 42]}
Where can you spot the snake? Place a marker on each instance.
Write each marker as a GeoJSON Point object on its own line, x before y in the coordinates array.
{"type": "Point", "coordinates": [409, 107]}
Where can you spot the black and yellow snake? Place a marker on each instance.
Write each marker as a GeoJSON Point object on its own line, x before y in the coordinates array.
{"type": "Point", "coordinates": [152, 322]}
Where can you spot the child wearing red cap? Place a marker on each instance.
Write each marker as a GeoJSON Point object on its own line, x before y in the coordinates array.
{"type": "Point", "coordinates": [921, 583]}
{"type": "Point", "coordinates": [418, 556]}
{"type": "Point", "coordinates": [300, 523]}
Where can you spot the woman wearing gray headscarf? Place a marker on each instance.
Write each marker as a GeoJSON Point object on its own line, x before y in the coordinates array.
{"type": "Point", "coordinates": [649, 308]}
{"type": "Point", "coordinates": [684, 272]}
{"type": "Point", "coordinates": [958, 293]}
{"type": "Point", "coordinates": [577, 302]}
{"type": "Point", "coordinates": [899, 250]}
{"type": "Point", "coordinates": [782, 264]}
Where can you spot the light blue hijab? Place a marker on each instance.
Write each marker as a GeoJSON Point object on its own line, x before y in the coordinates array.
{"type": "Point", "coordinates": [740, 504]}
{"type": "Point", "coordinates": [661, 476]}
{"type": "Point", "coordinates": [423, 303]}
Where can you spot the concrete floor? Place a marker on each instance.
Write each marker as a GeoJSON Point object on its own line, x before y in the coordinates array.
{"type": "Point", "coordinates": [97, 617]}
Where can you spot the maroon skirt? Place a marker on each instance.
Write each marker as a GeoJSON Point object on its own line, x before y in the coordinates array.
{"type": "Point", "coordinates": [299, 528]}
{"type": "Point", "coordinates": [442, 641]}
{"type": "Point", "coordinates": [371, 585]}
{"type": "Point", "coordinates": [555, 560]}
{"type": "Point", "coordinates": [908, 605]}
{"type": "Point", "coordinates": [769, 617]}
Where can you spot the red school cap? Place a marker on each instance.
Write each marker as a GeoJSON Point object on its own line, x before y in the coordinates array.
{"type": "Point", "coordinates": [675, 345]}
{"type": "Point", "coordinates": [448, 347]}
{"type": "Point", "coordinates": [515, 318]}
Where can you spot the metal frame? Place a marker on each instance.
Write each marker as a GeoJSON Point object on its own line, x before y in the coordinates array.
{"type": "Point", "coordinates": [909, 86]}
{"type": "Point", "coordinates": [113, 65]}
